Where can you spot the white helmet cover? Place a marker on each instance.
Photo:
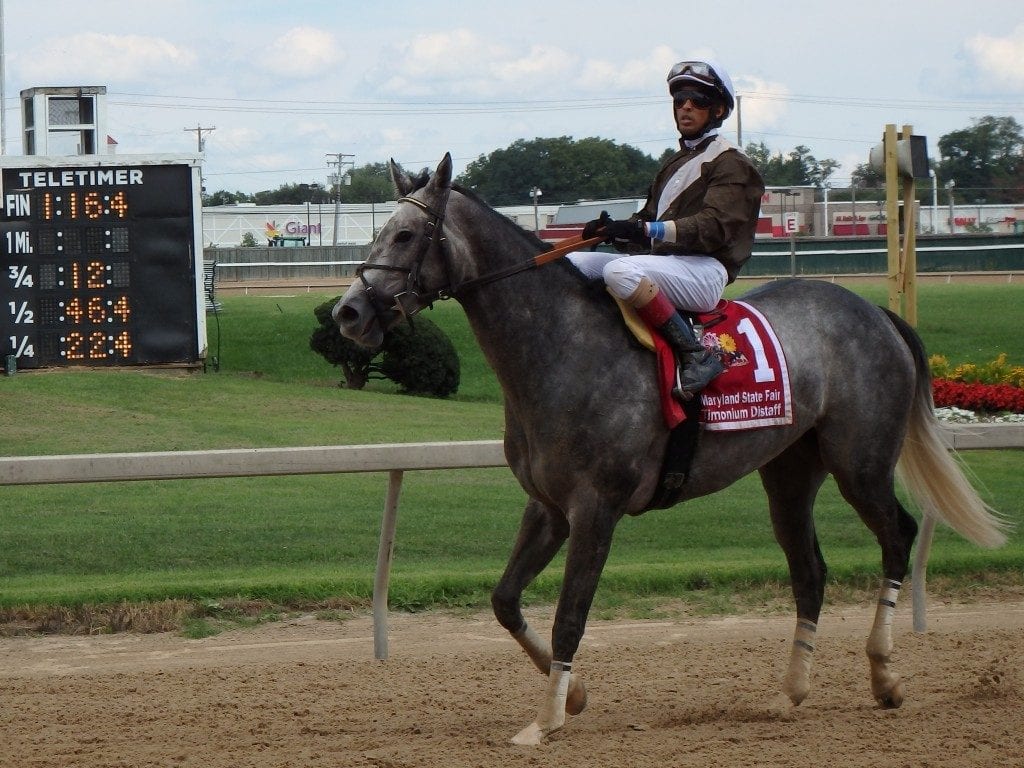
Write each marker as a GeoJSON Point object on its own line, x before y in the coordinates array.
{"type": "Point", "coordinates": [707, 74]}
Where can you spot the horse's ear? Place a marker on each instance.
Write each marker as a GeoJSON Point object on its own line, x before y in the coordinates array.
{"type": "Point", "coordinates": [403, 183]}
{"type": "Point", "coordinates": [442, 178]}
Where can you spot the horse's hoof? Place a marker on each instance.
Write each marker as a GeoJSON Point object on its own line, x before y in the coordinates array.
{"type": "Point", "coordinates": [891, 699]}
{"type": "Point", "coordinates": [531, 736]}
{"type": "Point", "coordinates": [796, 689]}
{"type": "Point", "coordinates": [576, 700]}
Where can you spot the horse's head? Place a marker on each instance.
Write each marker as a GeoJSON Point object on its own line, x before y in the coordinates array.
{"type": "Point", "coordinates": [408, 264]}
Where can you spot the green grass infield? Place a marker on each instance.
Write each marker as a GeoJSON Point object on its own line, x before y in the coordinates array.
{"type": "Point", "coordinates": [296, 542]}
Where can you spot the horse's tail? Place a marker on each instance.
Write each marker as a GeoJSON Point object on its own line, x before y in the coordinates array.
{"type": "Point", "coordinates": [936, 479]}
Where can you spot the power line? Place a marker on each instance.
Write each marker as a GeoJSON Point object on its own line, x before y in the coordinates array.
{"type": "Point", "coordinates": [457, 107]}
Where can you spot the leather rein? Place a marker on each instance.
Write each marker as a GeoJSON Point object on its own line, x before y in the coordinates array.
{"type": "Point", "coordinates": [410, 301]}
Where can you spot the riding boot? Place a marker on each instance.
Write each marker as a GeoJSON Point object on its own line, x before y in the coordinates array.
{"type": "Point", "coordinates": [699, 364]}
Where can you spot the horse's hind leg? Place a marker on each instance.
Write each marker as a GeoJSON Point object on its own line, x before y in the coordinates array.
{"type": "Point", "coordinates": [792, 481]}
{"type": "Point", "coordinates": [869, 489]}
{"type": "Point", "coordinates": [541, 534]}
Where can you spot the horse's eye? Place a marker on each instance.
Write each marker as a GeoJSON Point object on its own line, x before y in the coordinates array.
{"type": "Point", "coordinates": [403, 236]}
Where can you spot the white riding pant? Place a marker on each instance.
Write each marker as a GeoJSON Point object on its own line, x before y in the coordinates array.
{"type": "Point", "coordinates": [691, 283]}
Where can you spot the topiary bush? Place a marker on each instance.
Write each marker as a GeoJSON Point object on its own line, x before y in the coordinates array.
{"type": "Point", "coordinates": [416, 355]}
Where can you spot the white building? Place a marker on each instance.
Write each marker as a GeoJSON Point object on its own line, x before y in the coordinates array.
{"type": "Point", "coordinates": [224, 226]}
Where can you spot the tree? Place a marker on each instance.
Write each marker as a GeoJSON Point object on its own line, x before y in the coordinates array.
{"type": "Point", "coordinates": [416, 355]}
{"type": "Point", "coordinates": [866, 176]}
{"type": "Point", "coordinates": [222, 197]}
{"type": "Point", "coordinates": [797, 169]}
{"type": "Point", "coordinates": [564, 169]}
{"type": "Point", "coordinates": [985, 161]}
{"type": "Point", "coordinates": [369, 184]}
{"type": "Point", "coordinates": [294, 194]}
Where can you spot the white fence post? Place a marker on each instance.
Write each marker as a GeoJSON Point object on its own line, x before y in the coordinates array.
{"type": "Point", "coordinates": [383, 575]}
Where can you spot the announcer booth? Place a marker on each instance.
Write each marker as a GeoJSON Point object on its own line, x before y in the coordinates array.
{"type": "Point", "coordinates": [102, 261]}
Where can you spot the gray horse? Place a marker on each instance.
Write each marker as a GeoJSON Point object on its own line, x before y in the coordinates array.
{"type": "Point", "coordinates": [586, 439]}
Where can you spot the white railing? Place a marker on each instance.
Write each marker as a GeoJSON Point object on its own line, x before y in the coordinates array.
{"type": "Point", "coordinates": [393, 458]}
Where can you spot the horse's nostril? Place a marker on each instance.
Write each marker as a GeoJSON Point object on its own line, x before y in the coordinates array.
{"type": "Point", "coordinates": [345, 313]}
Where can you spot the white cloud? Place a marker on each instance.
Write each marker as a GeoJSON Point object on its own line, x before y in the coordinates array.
{"type": "Point", "coordinates": [95, 58]}
{"type": "Point", "coordinates": [542, 65]}
{"type": "Point", "coordinates": [461, 63]}
{"type": "Point", "coordinates": [644, 75]}
{"type": "Point", "coordinates": [1001, 59]}
{"type": "Point", "coordinates": [301, 52]}
{"type": "Point", "coordinates": [458, 60]}
{"type": "Point", "coordinates": [763, 104]}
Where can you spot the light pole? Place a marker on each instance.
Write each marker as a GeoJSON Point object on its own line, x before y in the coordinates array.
{"type": "Point", "coordinates": [783, 196]}
{"type": "Point", "coordinates": [825, 189]}
{"type": "Point", "coordinates": [535, 193]}
{"type": "Point", "coordinates": [853, 204]}
{"type": "Point", "coordinates": [935, 202]}
{"type": "Point", "coordinates": [949, 195]}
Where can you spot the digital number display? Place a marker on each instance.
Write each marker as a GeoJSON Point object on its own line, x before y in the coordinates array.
{"type": "Point", "coordinates": [100, 263]}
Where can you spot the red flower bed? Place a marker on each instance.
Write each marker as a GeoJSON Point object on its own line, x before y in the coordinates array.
{"type": "Point", "coordinates": [977, 397]}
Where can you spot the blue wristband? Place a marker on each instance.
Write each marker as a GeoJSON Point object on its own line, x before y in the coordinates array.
{"type": "Point", "coordinates": [656, 229]}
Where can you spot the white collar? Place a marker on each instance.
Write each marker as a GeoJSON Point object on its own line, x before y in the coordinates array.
{"type": "Point", "coordinates": [692, 143]}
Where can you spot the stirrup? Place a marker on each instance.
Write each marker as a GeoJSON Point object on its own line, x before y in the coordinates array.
{"type": "Point", "coordinates": [677, 391]}
{"type": "Point", "coordinates": [702, 370]}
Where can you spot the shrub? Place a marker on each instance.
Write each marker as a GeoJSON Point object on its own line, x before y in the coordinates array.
{"type": "Point", "coordinates": [416, 355]}
{"type": "Point", "coordinates": [999, 371]}
{"type": "Point", "coordinates": [973, 396]}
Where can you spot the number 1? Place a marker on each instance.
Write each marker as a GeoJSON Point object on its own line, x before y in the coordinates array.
{"type": "Point", "coordinates": [763, 372]}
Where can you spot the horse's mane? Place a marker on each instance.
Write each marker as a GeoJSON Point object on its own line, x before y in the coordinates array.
{"type": "Point", "coordinates": [529, 238]}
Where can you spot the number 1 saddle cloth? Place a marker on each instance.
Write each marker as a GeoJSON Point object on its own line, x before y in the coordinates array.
{"type": "Point", "coordinates": [753, 391]}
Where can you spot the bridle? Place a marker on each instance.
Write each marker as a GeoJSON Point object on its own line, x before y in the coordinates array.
{"type": "Point", "coordinates": [411, 300]}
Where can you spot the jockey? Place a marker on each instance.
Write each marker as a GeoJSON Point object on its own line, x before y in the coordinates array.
{"type": "Point", "coordinates": [696, 229]}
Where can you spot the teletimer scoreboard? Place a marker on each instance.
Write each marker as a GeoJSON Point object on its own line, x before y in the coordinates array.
{"type": "Point", "coordinates": [102, 261]}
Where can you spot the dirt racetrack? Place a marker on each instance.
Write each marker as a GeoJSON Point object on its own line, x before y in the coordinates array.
{"type": "Point", "coordinates": [686, 692]}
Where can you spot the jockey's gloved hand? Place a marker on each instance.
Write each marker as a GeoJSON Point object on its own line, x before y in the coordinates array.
{"type": "Point", "coordinates": [623, 232]}
{"type": "Point", "coordinates": [593, 228]}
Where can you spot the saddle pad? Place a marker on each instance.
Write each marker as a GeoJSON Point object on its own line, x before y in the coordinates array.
{"type": "Point", "coordinates": [754, 389]}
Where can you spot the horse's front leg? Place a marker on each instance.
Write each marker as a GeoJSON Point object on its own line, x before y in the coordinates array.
{"type": "Point", "coordinates": [541, 534]}
{"type": "Point", "coordinates": [589, 543]}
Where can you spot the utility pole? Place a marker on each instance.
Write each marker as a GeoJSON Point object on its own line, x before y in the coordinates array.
{"type": "Point", "coordinates": [201, 144]}
{"type": "Point", "coordinates": [739, 123]}
{"type": "Point", "coordinates": [340, 160]}
{"type": "Point", "coordinates": [200, 141]}
{"type": "Point", "coordinates": [3, 85]}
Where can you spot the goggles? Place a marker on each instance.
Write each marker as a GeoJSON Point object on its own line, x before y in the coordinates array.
{"type": "Point", "coordinates": [700, 71]}
{"type": "Point", "coordinates": [699, 99]}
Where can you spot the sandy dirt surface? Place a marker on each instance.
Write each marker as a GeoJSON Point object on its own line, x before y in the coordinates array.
{"type": "Point", "coordinates": [686, 692]}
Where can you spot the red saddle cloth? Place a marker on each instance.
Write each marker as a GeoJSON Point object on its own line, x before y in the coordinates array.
{"type": "Point", "coordinates": [753, 390]}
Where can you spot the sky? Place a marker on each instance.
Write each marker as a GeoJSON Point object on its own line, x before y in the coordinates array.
{"type": "Point", "coordinates": [283, 88]}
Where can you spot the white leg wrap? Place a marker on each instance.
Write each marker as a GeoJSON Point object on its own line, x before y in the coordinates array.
{"type": "Point", "coordinates": [539, 651]}
{"type": "Point", "coordinates": [551, 715]}
{"type": "Point", "coordinates": [797, 682]}
{"type": "Point", "coordinates": [880, 639]}
{"type": "Point", "coordinates": [536, 647]}
{"type": "Point", "coordinates": [553, 708]}
{"type": "Point", "coordinates": [885, 684]}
